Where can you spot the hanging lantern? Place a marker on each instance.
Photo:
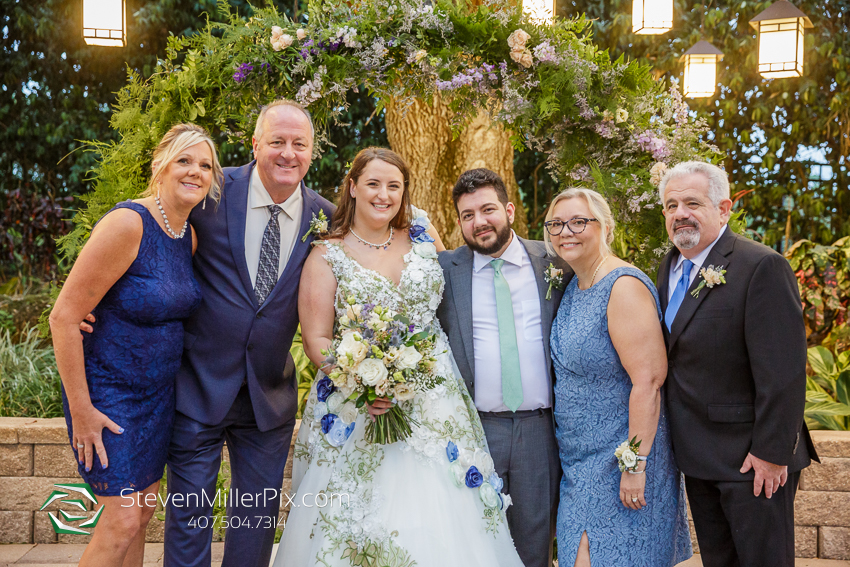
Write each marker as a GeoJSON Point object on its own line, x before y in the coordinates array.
{"type": "Point", "coordinates": [701, 69]}
{"type": "Point", "coordinates": [105, 22]}
{"type": "Point", "coordinates": [652, 16]}
{"type": "Point", "coordinates": [541, 11]}
{"type": "Point", "coordinates": [781, 39]}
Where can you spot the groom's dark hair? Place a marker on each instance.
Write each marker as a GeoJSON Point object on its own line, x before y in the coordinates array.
{"type": "Point", "coordinates": [474, 179]}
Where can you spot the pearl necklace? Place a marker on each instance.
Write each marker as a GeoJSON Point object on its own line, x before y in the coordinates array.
{"type": "Point", "coordinates": [168, 226]}
{"type": "Point", "coordinates": [383, 245]}
{"type": "Point", "coordinates": [593, 279]}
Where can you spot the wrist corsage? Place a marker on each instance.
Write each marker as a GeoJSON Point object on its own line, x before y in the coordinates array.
{"type": "Point", "coordinates": [711, 277]}
{"type": "Point", "coordinates": [554, 277]}
{"type": "Point", "coordinates": [627, 456]}
{"type": "Point", "coordinates": [319, 225]}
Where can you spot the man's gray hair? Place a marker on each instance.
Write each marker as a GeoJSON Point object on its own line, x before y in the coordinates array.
{"type": "Point", "coordinates": [718, 181]}
{"type": "Point", "coordinates": [258, 129]}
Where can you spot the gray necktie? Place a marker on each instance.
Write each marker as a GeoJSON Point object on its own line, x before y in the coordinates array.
{"type": "Point", "coordinates": [269, 257]}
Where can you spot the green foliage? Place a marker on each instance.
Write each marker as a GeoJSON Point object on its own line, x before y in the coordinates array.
{"type": "Point", "coordinates": [823, 276]}
{"type": "Point", "coordinates": [563, 106]}
{"type": "Point", "coordinates": [305, 371]}
{"type": "Point", "coordinates": [29, 381]}
{"type": "Point", "coordinates": [764, 127]}
{"type": "Point", "coordinates": [828, 390]}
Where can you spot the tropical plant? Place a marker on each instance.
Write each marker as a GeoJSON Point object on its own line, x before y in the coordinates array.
{"type": "Point", "coordinates": [828, 390]}
{"type": "Point", "coordinates": [305, 370]}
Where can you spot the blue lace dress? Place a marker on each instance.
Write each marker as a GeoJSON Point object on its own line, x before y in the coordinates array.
{"type": "Point", "coordinates": [133, 356]}
{"type": "Point", "coordinates": [592, 417]}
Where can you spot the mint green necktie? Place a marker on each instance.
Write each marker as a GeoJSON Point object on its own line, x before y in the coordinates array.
{"type": "Point", "coordinates": [511, 377]}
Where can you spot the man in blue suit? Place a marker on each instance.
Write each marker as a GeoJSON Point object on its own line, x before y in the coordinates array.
{"type": "Point", "coordinates": [237, 380]}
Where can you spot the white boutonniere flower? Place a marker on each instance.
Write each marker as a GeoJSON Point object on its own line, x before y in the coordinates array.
{"type": "Point", "coordinates": [711, 277]}
{"type": "Point", "coordinates": [319, 225]}
{"type": "Point", "coordinates": [554, 277]}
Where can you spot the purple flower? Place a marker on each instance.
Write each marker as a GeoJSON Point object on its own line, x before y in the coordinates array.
{"type": "Point", "coordinates": [305, 54]}
{"type": "Point", "coordinates": [242, 72]}
{"type": "Point", "coordinates": [474, 479]}
{"type": "Point", "coordinates": [266, 67]}
{"type": "Point", "coordinates": [328, 422]}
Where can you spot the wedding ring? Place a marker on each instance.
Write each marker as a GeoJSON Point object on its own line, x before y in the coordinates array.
{"type": "Point", "coordinates": [634, 499]}
{"type": "Point", "coordinates": [81, 445]}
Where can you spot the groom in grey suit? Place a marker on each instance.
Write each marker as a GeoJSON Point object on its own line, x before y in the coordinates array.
{"type": "Point", "coordinates": [500, 342]}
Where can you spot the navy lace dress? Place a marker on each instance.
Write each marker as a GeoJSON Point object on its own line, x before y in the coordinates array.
{"type": "Point", "coordinates": [592, 416]}
{"type": "Point", "coordinates": [133, 356]}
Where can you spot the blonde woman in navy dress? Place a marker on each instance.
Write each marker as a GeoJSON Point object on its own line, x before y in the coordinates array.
{"type": "Point", "coordinates": [135, 275]}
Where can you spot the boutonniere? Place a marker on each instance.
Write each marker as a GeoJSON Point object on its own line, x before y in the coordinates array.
{"type": "Point", "coordinates": [319, 225]}
{"type": "Point", "coordinates": [554, 277]}
{"type": "Point", "coordinates": [711, 277]}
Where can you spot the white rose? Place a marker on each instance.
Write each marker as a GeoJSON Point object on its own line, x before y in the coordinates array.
{"type": "Point", "coordinates": [276, 45]}
{"type": "Point", "coordinates": [409, 357]}
{"type": "Point", "coordinates": [348, 412]}
{"type": "Point", "coordinates": [484, 462]}
{"type": "Point", "coordinates": [622, 115]}
{"type": "Point", "coordinates": [488, 495]}
{"type": "Point", "coordinates": [300, 34]}
{"type": "Point", "coordinates": [350, 385]}
{"type": "Point", "coordinates": [286, 40]}
{"type": "Point", "coordinates": [416, 276]}
{"type": "Point", "coordinates": [372, 371]}
{"type": "Point", "coordinates": [404, 392]}
{"type": "Point", "coordinates": [320, 410]}
{"type": "Point", "coordinates": [277, 31]}
{"type": "Point", "coordinates": [335, 402]}
{"type": "Point", "coordinates": [352, 343]}
{"type": "Point", "coordinates": [618, 452]}
{"type": "Point", "coordinates": [518, 39]}
{"type": "Point", "coordinates": [425, 250]}
{"type": "Point", "coordinates": [466, 458]}
{"type": "Point", "coordinates": [629, 458]}
{"type": "Point", "coordinates": [657, 172]}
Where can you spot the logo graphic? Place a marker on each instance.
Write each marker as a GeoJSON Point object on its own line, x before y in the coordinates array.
{"type": "Point", "coordinates": [63, 492]}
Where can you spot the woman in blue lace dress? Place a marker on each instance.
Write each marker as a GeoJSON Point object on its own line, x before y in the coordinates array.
{"type": "Point", "coordinates": [135, 275]}
{"type": "Point", "coordinates": [610, 363]}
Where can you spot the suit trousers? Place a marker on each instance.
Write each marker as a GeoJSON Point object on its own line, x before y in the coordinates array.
{"type": "Point", "coordinates": [525, 454]}
{"type": "Point", "coordinates": [257, 460]}
{"type": "Point", "coordinates": [736, 529]}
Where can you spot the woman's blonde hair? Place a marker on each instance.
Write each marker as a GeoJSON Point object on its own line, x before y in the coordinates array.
{"type": "Point", "coordinates": [598, 207]}
{"type": "Point", "coordinates": [177, 140]}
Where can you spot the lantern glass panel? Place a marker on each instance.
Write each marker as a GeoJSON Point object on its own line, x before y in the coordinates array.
{"type": "Point", "coordinates": [104, 22]}
{"type": "Point", "coordinates": [781, 47]}
{"type": "Point", "coordinates": [700, 75]}
{"type": "Point", "coordinates": [652, 16]}
{"type": "Point", "coordinates": [541, 11]}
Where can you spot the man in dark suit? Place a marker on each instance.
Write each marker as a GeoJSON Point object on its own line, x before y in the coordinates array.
{"type": "Point", "coordinates": [736, 386]}
{"type": "Point", "coordinates": [500, 341]}
{"type": "Point", "coordinates": [237, 380]}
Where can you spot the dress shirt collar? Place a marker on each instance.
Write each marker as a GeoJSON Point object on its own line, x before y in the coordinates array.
{"type": "Point", "coordinates": [259, 198]}
{"type": "Point", "coordinates": [699, 259]}
{"type": "Point", "coordinates": [513, 254]}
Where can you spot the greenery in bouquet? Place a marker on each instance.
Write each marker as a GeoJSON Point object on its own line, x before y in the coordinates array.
{"type": "Point", "coordinates": [378, 353]}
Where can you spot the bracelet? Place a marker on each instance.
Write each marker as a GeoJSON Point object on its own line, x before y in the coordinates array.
{"type": "Point", "coordinates": [637, 472]}
{"type": "Point", "coordinates": [641, 457]}
{"type": "Point", "coordinates": [627, 455]}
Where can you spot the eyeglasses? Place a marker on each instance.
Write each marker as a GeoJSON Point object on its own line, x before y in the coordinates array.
{"type": "Point", "coordinates": [576, 225]}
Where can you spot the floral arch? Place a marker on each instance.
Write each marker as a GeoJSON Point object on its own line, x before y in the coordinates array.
{"type": "Point", "coordinates": [604, 124]}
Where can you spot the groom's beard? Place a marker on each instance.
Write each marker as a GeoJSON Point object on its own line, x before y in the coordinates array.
{"type": "Point", "coordinates": [503, 236]}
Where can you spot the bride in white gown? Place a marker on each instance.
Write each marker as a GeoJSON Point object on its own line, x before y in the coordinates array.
{"type": "Point", "coordinates": [432, 500]}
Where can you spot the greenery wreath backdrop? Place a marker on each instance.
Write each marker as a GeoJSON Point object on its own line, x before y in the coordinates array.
{"type": "Point", "coordinates": [603, 124]}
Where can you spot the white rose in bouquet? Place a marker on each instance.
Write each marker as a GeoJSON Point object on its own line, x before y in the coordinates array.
{"type": "Point", "coordinates": [350, 385]}
{"type": "Point", "coordinates": [376, 323]}
{"type": "Point", "coordinates": [348, 412]}
{"type": "Point", "coordinates": [404, 392]}
{"type": "Point", "coordinates": [372, 371]}
{"type": "Point", "coordinates": [353, 311]}
{"type": "Point", "coordinates": [352, 343]}
{"type": "Point", "coordinates": [488, 495]}
{"type": "Point", "coordinates": [391, 355]}
{"type": "Point", "coordinates": [381, 388]}
{"type": "Point", "coordinates": [408, 358]}
{"type": "Point", "coordinates": [425, 250]}
{"type": "Point", "coordinates": [335, 402]}
{"type": "Point", "coordinates": [483, 462]}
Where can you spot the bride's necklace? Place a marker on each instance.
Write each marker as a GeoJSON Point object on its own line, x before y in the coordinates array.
{"type": "Point", "coordinates": [383, 245]}
{"type": "Point", "coordinates": [596, 271]}
{"type": "Point", "coordinates": [168, 226]}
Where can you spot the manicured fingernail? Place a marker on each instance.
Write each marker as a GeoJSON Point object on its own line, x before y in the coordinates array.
{"type": "Point", "coordinates": [120, 430]}
{"type": "Point", "coordinates": [88, 469]}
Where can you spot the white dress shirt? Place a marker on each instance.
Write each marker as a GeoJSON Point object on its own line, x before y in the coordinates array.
{"type": "Point", "coordinates": [519, 273]}
{"type": "Point", "coordinates": [676, 269]}
{"type": "Point", "coordinates": [257, 217]}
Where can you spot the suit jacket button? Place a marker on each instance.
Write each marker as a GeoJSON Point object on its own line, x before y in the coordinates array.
{"type": "Point", "coordinates": [260, 315]}
{"type": "Point", "coordinates": [250, 347]}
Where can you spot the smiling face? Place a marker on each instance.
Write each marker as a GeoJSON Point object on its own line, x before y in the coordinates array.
{"type": "Point", "coordinates": [693, 221]}
{"type": "Point", "coordinates": [187, 179]}
{"type": "Point", "coordinates": [283, 151]}
{"type": "Point", "coordinates": [378, 193]}
{"type": "Point", "coordinates": [484, 222]}
{"type": "Point", "coordinates": [572, 247]}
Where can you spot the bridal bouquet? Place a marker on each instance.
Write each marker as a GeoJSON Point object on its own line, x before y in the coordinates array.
{"type": "Point", "coordinates": [379, 354]}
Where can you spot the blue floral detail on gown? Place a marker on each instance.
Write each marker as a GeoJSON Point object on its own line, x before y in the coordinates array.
{"type": "Point", "coordinates": [133, 356]}
{"type": "Point", "coordinates": [591, 414]}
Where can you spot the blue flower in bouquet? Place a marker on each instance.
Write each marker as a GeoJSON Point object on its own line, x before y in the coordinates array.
{"type": "Point", "coordinates": [474, 479]}
{"type": "Point", "coordinates": [327, 422]}
{"type": "Point", "coordinates": [451, 451]}
{"type": "Point", "coordinates": [324, 388]}
{"type": "Point", "coordinates": [496, 482]}
{"type": "Point", "coordinates": [339, 432]}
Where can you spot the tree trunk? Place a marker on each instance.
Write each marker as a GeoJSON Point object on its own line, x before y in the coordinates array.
{"type": "Point", "coordinates": [422, 136]}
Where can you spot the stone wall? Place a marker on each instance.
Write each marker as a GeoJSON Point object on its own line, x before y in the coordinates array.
{"type": "Point", "coordinates": [35, 455]}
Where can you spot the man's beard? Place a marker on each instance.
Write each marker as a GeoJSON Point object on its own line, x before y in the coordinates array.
{"type": "Point", "coordinates": [503, 236]}
{"type": "Point", "coordinates": [687, 239]}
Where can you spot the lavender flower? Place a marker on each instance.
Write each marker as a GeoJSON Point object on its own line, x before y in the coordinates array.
{"type": "Point", "coordinates": [242, 72]}
{"type": "Point", "coordinates": [545, 53]}
{"type": "Point", "coordinates": [649, 142]}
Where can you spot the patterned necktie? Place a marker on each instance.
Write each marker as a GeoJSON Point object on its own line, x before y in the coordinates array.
{"type": "Point", "coordinates": [269, 257]}
{"type": "Point", "coordinates": [678, 294]}
{"type": "Point", "coordinates": [511, 377]}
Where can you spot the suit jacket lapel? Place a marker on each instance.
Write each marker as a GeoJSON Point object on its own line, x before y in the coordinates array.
{"type": "Point", "coordinates": [461, 278]}
{"type": "Point", "coordinates": [547, 307]}
{"type": "Point", "coordinates": [664, 278]}
{"type": "Point", "coordinates": [717, 257]}
{"type": "Point", "coordinates": [236, 203]}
